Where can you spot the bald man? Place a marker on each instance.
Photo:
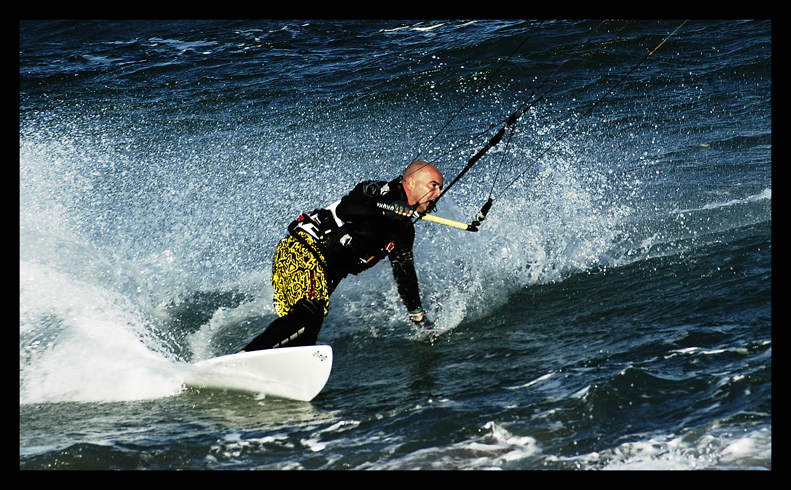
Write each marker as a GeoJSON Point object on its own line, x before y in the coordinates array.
{"type": "Point", "coordinates": [370, 223]}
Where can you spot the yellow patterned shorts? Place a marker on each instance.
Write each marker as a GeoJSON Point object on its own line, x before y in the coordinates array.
{"type": "Point", "coordinates": [297, 273]}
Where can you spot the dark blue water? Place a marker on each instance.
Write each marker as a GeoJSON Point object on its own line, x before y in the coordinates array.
{"type": "Point", "coordinates": [613, 311]}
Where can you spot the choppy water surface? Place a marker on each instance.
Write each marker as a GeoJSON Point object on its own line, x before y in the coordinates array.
{"type": "Point", "coordinates": [613, 311]}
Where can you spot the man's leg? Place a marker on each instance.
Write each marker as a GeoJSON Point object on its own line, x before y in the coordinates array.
{"type": "Point", "coordinates": [300, 327]}
{"type": "Point", "coordinates": [301, 296]}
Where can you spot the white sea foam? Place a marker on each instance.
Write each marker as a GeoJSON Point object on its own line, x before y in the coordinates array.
{"type": "Point", "coordinates": [80, 342]}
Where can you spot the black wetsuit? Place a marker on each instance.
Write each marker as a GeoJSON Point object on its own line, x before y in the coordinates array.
{"type": "Point", "coordinates": [374, 237]}
{"type": "Point", "coordinates": [360, 237]}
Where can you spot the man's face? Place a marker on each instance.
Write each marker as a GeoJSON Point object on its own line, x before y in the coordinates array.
{"type": "Point", "coordinates": [424, 186]}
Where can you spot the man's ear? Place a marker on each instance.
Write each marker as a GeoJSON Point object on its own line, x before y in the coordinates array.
{"type": "Point", "coordinates": [409, 182]}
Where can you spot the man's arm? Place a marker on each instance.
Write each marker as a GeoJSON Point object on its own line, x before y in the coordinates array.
{"type": "Point", "coordinates": [360, 203]}
{"type": "Point", "coordinates": [406, 279]}
{"type": "Point", "coordinates": [403, 265]}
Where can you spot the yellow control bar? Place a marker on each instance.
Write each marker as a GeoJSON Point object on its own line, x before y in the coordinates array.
{"type": "Point", "coordinates": [446, 222]}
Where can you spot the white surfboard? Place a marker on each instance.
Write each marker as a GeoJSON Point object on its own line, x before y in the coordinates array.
{"type": "Point", "coordinates": [296, 373]}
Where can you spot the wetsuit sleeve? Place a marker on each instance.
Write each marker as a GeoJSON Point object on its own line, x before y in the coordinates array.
{"type": "Point", "coordinates": [355, 209]}
{"type": "Point", "coordinates": [360, 203]}
{"type": "Point", "coordinates": [403, 264]}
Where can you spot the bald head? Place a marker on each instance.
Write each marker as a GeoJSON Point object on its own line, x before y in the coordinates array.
{"type": "Point", "coordinates": [422, 183]}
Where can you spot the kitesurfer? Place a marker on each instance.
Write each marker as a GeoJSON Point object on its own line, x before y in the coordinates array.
{"type": "Point", "coordinates": [371, 222]}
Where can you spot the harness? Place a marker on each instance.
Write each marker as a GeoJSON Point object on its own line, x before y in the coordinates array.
{"type": "Point", "coordinates": [318, 225]}
{"type": "Point", "coordinates": [336, 244]}
{"type": "Point", "coordinates": [326, 229]}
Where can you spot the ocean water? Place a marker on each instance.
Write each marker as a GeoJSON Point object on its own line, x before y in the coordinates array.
{"type": "Point", "coordinates": [612, 312]}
